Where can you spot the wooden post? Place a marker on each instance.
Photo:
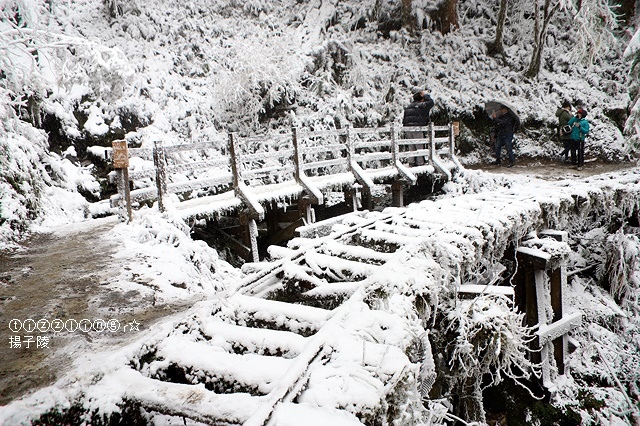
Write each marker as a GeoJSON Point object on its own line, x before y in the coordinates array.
{"type": "Point", "coordinates": [235, 164]}
{"type": "Point", "coordinates": [558, 279]}
{"type": "Point", "coordinates": [395, 150]}
{"type": "Point", "coordinates": [354, 197]}
{"type": "Point", "coordinates": [121, 164]}
{"type": "Point", "coordinates": [304, 209]}
{"type": "Point", "coordinates": [555, 277]}
{"type": "Point", "coordinates": [526, 294]}
{"type": "Point", "coordinates": [397, 188]}
{"type": "Point", "coordinates": [432, 141]}
{"type": "Point", "coordinates": [454, 130]}
{"type": "Point", "coordinates": [161, 174]}
{"type": "Point", "coordinates": [253, 236]}
{"type": "Point", "coordinates": [528, 280]}
{"type": "Point", "coordinates": [534, 266]}
{"type": "Point", "coordinates": [249, 235]}
{"type": "Point", "coordinates": [350, 148]}
{"type": "Point", "coordinates": [297, 154]}
{"type": "Point", "coordinates": [397, 194]}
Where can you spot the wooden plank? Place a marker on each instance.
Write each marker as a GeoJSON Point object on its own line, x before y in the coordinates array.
{"type": "Point", "coordinates": [190, 147]}
{"type": "Point", "coordinates": [342, 161]}
{"type": "Point", "coordinates": [486, 289]}
{"type": "Point", "coordinates": [321, 133]}
{"type": "Point", "coordinates": [532, 257]}
{"type": "Point", "coordinates": [565, 324]}
{"type": "Point", "coordinates": [222, 163]}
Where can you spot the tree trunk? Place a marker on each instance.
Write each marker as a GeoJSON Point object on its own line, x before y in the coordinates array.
{"type": "Point", "coordinates": [450, 16]}
{"type": "Point", "coordinates": [540, 35]}
{"type": "Point", "coordinates": [497, 47]}
{"type": "Point", "coordinates": [446, 16]}
{"type": "Point", "coordinates": [408, 18]}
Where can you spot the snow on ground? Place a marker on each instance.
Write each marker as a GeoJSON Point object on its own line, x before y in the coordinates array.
{"type": "Point", "coordinates": [192, 71]}
{"type": "Point", "coordinates": [160, 255]}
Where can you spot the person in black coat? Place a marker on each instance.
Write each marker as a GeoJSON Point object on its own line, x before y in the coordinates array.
{"type": "Point", "coordinates": [564, 115]}
{"type": "Point", "coordinates": [505, 124]}
{"type": "Point", "coordinates": [417, 113]}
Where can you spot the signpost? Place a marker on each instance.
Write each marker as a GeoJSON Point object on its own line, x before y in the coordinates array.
{"type": "Point", "coordinates": [121, 165]}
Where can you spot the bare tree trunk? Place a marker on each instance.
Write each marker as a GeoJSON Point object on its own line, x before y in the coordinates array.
{"type": "Point", "coordinates": [450, 16]}
{"type": "Point", "coordinates": [540, 35]}
{"type": "Point", "coordinates": [446, 16]}
{"type": "Point", "coordinates": [497, 47]}
{"type": "Point", "coordinates": [408, 18]}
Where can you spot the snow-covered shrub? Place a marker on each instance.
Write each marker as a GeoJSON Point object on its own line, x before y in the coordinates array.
{"type": "Point", "coordinates": [604, 379]}
{"type": "Point", "coordinates": [622, 263]}
{"type": "Point", "coordinates": [487, 339]}
{"type": "Point", "coordinates": [119, 8]}
{"type": "Point", "coordinates": [22, 178]}
{"type": "Point", "coordinates": [632, 126]}
{"type": "Point", "coordinates": [157, 239]}
{"type": "Point", "coordinates": [256, 79]}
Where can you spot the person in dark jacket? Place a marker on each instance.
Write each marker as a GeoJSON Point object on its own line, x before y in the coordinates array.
{"type": "Point", "coordinates": [564, 115]}
{"type": "Point", "coordinates": [417, 113]}
{"type": "Point", "coordinates": [505, 124]}
{"type": "Point", "coordinates": [579, 130]}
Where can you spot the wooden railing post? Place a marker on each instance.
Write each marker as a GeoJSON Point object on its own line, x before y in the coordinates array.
{"type": "Point", "coordinates": [297, 154]}
{"type": "Point", "coordinates": [432, 142]}
{"type": "Point", "coordinates": [247, 221]}
{"type": "Point", "coordinates": [558, 280]}
{"type": "Point", "coordinates": [350, 148]}
{"type": "Point", "coordinates": [395, 149]}
{"type": "Point", "coordinates": [235, 165]}
{"type": "Point", "coordinates": [161, 174]}
{"type": "Point", "coordinates": [534, 265]}
{"type": "Point", "coordinates": [452, 136]}
{"type": "Point", "coordinates": [402, 170]}
{"type": "Point", "coordinates": [301, 178]}
{"type": "Point", "coordinates": [397, 188]}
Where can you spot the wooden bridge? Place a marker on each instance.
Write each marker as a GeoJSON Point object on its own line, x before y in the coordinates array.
{"type": "Point", "coordinates": [260, 179]}
{"type": "Point", "coordinates": [319, 322]}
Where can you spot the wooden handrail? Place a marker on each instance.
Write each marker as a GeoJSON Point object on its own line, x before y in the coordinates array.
{"type": "Point", "coordinates": [359, 151]}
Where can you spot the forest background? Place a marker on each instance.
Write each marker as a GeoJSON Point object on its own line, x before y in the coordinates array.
{"type": "Point", "coordinates": [77, 75]}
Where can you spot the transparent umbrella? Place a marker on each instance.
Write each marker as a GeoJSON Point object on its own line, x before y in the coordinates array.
{"type": "Point", "coordinates": [494, 105]}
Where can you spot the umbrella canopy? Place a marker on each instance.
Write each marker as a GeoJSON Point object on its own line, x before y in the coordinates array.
{"type": "Point", "coordinates": [494, 105]}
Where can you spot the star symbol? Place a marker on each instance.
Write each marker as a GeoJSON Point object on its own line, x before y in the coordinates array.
{"type": "Point", "coordinates": [134, 326]}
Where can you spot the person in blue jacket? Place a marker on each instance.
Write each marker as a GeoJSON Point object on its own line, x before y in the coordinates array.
{"type": "Point", "coordinates": [579, 130]}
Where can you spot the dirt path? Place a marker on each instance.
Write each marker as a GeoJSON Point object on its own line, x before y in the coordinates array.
{"type": "Point", "coordinates": [553, 170]}
{"type": "Point", "coordinates": [63, 276]}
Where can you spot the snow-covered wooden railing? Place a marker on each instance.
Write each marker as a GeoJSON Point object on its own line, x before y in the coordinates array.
{"type": "Point", "coordinates": [539, 288]}
{"type": "Point", "coordinates": [300, 164]}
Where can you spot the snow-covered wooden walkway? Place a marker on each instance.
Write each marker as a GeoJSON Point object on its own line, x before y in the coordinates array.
{"type": "Point", "coordinates": [323, 330]}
